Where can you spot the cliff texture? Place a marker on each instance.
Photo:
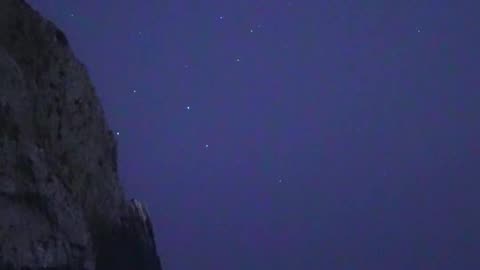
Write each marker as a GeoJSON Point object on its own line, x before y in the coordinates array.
{"type": "Point", "coordinates": [61, 204]}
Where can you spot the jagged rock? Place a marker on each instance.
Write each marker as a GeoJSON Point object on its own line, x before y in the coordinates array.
{"type": "Point", "coordinates": [61, 204]}
{"type": "Point", "coordinates": [136, 230]}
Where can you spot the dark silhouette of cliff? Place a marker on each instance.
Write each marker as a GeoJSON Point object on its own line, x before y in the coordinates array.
{"type": "Point", "coordinates": [61, 204]}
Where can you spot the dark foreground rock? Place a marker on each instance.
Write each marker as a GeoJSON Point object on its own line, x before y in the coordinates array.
{"type": "Point", "coordinates": [61, 204]}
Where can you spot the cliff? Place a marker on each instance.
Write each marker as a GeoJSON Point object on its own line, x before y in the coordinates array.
{"type": "Point", "coordinates": [61, 204]}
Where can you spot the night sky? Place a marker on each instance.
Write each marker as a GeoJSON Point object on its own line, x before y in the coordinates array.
{"type": "Point", "coordinates": [293, 134]}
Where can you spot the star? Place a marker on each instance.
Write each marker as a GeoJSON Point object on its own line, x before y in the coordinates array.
{"type": "Point", "coordinates": [221, 17]}
{"type": "Point", "coordinates": [118, 133]}
{"type": "Point", "coordinates": [188, 108]}
{"type": "Point", "coordinates": [251, 30]}
{"type": "Point", "coordinates": [71, 14]}
{"type": "Point", "coordinates": [134, 91]}
{"type": "Point", "coordinates": [206, 145]}
{"type": "Point", "coordinates": [238, 59]}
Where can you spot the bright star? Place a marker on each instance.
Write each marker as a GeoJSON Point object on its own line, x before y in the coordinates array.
{"type": "Point", "coordinates": [188, 107]}
{"type": "Point", "coordinates": [206, 145]}
{"type": "Point", "coordinates": [221, 17]}
{"type": "Point", "coordinates": [118, 133]}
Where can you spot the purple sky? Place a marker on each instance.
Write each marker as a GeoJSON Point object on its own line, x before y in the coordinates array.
{"type": "Point", "coordinates": [341, 134]}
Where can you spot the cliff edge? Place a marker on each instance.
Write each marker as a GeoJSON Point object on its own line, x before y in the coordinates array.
{"type": "Point", "coordinates": [61, 204]}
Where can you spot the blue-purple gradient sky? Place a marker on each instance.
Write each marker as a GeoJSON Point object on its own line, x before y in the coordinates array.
{"type": "Point", "coordinates": [341, 134]}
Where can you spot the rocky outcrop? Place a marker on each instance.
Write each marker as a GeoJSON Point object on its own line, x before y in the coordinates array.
{"type": "Point", "coordinates": [61, 204]}
{"type": "Point", "coordinates": [136, 230]}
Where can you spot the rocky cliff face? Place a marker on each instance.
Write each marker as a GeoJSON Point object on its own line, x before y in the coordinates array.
{"type": "Point", "coordinates": [61, 205]}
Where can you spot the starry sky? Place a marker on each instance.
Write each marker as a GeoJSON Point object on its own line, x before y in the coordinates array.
{"type": "Point", "coordinates": [293, 134]}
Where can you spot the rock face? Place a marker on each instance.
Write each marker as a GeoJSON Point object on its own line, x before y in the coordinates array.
{"type": "Point", "coordinates": [61, 204]}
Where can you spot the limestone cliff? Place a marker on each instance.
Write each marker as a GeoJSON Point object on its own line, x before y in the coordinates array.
{"type": "Point", "coordinates": [61, 204]}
